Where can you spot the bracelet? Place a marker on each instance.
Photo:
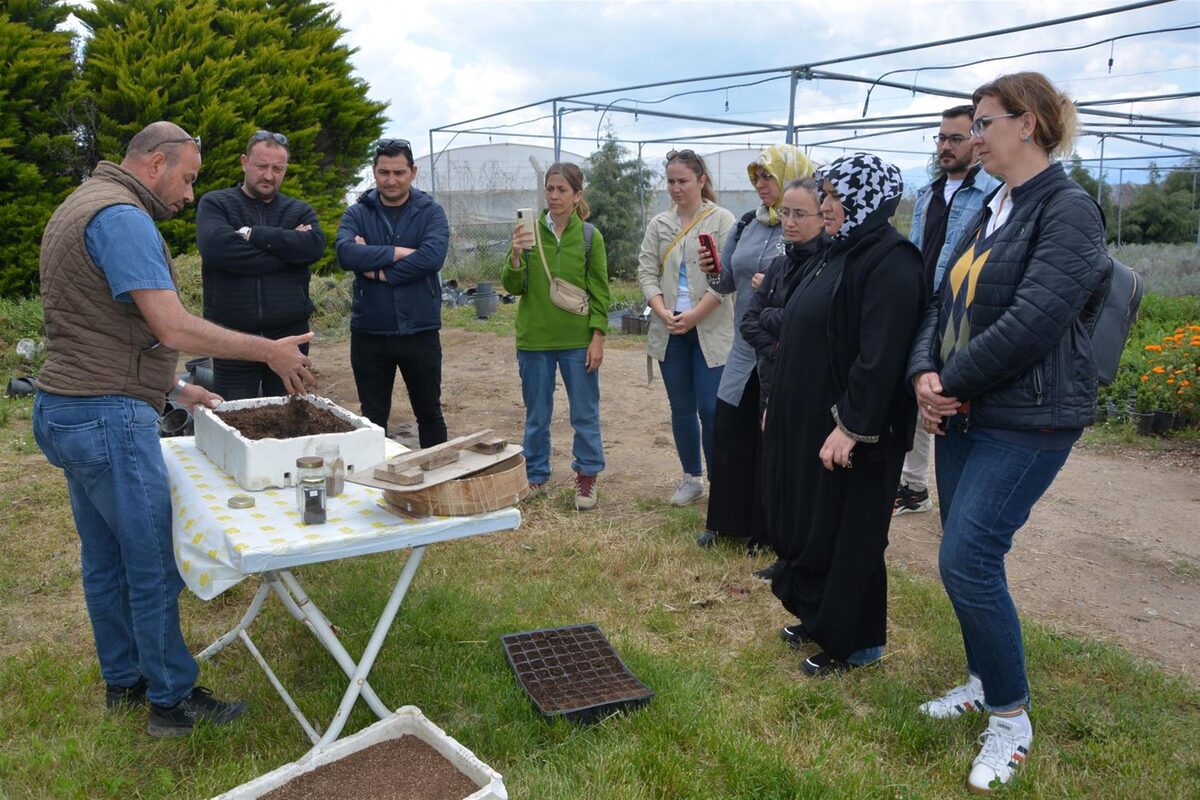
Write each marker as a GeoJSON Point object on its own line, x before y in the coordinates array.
{"type": "Point", "coordinates": [180, 385]}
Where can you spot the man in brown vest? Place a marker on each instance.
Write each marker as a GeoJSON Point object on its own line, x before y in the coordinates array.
{"type": "Point", "coordinates": [114, 326]}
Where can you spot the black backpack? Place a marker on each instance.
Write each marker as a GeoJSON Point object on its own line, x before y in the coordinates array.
{"type": "Point", "coordinates": [1110, 312]}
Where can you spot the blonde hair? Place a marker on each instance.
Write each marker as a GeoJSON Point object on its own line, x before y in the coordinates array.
{"type": "Point", "coordinates": [1021, 92]}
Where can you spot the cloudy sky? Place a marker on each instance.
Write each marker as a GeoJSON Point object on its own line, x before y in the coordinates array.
{"type": "Point", "coordinates": [443, 62]}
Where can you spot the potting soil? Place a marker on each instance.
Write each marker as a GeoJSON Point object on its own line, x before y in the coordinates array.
{"type": "Point", "coordinates": [291, 420]}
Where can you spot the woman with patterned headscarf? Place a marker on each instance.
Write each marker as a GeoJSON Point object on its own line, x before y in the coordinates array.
{"type": "Point", "coordinates": [735, 493]}
{"type": "Point", "coordinates": [840, 419]}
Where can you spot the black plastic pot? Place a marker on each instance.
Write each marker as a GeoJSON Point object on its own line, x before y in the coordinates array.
{"type": "Point", "coordinates": [1144, 422]}
{"type": "Point", "coordinates": [1163, 420]}
{"type": "Point", "coordinates": [200, 372]}
{"type": "Point", "coordinates": [175, 421]}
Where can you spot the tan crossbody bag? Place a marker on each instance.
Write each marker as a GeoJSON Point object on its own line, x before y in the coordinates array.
{"type": "Point", "coordinates": [563, 294]}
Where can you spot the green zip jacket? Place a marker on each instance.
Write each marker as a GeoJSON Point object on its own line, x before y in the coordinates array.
{"type": "Point", "coordinates": [541, 325]}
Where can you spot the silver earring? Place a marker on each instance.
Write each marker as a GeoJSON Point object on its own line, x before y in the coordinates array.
{"type": "Point", "coordinates": [1026, 138]}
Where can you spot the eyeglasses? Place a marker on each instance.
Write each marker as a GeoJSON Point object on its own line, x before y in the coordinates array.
{"type": "Point", "coordinates": [392, 144]}
{"type": "Point", "coordinates": [981, 124]}
{"type": "Point", "coordinates": [262, 136]}
{"type": "Point", "coordinates": [955, 139]}
{"type": "Point", "coordinates": [795, 213]}
{"type": "Point", "coordinates": [761, 176]}
{"type": "Point", "coordinates": [193, 139]}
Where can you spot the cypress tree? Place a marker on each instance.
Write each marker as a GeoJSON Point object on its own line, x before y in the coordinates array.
{"type": "Point", "coordinates": [612, 195]}
{"type": "Point", "coordinates": [36, 138]}
{"type": "Point", "coordinates": [223, 69]}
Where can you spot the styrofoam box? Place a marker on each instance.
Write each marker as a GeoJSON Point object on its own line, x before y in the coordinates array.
{"type": "Point", "coordinates": [266, 463]}
{"type": "Point", "coordinates": [407, 720]}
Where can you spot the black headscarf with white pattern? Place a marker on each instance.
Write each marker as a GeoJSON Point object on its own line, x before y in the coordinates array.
{"type": "Point", "coordinates": [863, 183]}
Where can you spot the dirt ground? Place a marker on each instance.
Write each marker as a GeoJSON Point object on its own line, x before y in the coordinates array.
{"type": "Point", "coordinates": [1112, 551]}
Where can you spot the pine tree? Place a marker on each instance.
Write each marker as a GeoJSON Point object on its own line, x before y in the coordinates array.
{"type": "Point", "coordinates": [36, 141]}
{"type": "Point", "coordinates": [612, 195]}
{"type": "Point", "coordinates": [223, 69]}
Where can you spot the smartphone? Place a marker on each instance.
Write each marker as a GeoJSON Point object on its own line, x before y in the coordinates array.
{"type": "Point", "coordinates": [706, 242]}
{"type": "Point", "coordinates": [526, 219]}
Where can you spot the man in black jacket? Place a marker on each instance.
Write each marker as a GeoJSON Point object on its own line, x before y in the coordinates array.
{"type": "Point", "coordinates": [256, 248]}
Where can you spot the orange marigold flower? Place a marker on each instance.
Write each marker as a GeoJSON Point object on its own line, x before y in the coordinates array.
{"type": "Point", "coordinates": [1170, 380]}
{"type": "Point", "coordinates": [1179, 330]}
{"type": "Point", "coordinates": [1185, 382]}
{"type": "Point", "coordinates": [1157, 348]}
{"type": "Point", "coordinates": [1158, 370]}
{"type": "Point", "coordinates": [1194, 327]}
{"type": "Point", "coordinates": [1145, 378]}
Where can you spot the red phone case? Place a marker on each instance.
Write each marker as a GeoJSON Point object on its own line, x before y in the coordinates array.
{"type": "Point", "coordinates": [706, 241]}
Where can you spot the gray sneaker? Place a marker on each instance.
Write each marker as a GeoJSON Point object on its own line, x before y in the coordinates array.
{"type": "Point", "coordinates": [691, 489]}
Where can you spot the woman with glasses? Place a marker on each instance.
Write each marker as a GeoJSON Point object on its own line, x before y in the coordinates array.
{"type": "Point", "coordinates": [691, 329]}
{"type": "Point", "coordinates": [551, 339]}
{"type": "Point", "coordinates": [1003, 375]}
{"type": "Point", "coordinates": [803, 240]}
{"type": "Point", "coordinates": [839, 418]}
{"type": "Point", "coordinates": [735, 496]}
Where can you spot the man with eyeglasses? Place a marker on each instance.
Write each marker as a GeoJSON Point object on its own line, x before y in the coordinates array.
{"type": "Point", "coordinates": [114, 329]}
{"type": "Point", "coordinates": [942, 211]}
{"type": "Point", "coordinates": [257, 246]}
{"type": "Point", "coordinates": [395, 240]}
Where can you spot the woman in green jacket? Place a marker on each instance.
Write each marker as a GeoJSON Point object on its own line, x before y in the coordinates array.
{"type": "Point", "coordinates": [551, 338]}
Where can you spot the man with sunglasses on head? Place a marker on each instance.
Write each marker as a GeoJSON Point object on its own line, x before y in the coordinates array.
{"type": "Point", "coordinates": [943, 209]}
{"type": "Point", "coordinates": [114, 329]}
{"type": "Point", "coordinates": [257, 246]}
{"type": "Point", "coordinates": [395, 240]}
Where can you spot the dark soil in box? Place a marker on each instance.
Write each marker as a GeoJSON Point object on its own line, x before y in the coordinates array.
{"type": "Point", "coordinates": [291, 420]}
{"type": "Point", "coordinates": [573, 671]}
{"type": "Point", "coordinates": [397, 769]}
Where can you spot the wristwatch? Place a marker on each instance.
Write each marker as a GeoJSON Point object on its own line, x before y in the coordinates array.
{"type": "Point", "coordinates": [179, 386]}
{"type": "Point", "coordinates": [244, 232]}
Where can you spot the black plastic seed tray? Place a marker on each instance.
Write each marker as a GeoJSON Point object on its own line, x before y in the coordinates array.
{"type": "Point", "coordinates": [573, 672]}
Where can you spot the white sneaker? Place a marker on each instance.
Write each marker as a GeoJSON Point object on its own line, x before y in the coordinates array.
{"type": "Point", "coordinates": [691, 489]}
{"type": "Point", "coordinates": [1004, 747]}
{"type": "Point", "coordinates": [956, 702]}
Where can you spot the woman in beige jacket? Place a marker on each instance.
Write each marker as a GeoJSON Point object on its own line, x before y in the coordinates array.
{"type": "Point", "coordinates": [691, 329]}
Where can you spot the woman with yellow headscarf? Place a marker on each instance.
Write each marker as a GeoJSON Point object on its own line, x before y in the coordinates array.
{"type": "Point", "coordinates": [735, 507]}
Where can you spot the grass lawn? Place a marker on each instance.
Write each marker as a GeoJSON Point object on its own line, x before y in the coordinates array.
{"type": "Point", "coordinates": [733, 716]}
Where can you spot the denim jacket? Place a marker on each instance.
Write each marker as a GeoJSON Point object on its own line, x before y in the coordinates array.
{"type": "Point", "coordinates": [967, 203]}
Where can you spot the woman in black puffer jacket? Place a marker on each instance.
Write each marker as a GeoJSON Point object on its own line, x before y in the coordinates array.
{"type": "Point", "coordinates": [1003, 373]}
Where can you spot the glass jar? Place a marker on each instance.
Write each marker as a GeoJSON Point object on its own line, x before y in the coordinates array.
{"type": "Point", "coordinates": [312, 489]}
{"type": "Point", "coordinates": [307, 467]}
{"type": "Point", "coordinates": [335, 469]}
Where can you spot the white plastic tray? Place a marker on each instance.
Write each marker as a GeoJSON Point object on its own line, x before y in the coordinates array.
{"type": "Point", "coordinates": [407, 720]}
{"type": "Point", "coordinates": [271, 463]}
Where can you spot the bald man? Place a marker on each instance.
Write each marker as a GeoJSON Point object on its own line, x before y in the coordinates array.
{"type": "Point", "coordinates": [114, 326]}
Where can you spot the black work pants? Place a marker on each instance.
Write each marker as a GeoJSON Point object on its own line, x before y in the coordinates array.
{"type": "Point", "coordinates": [241, 380]}
{"type": "Point", "coordinates": [418, 356]}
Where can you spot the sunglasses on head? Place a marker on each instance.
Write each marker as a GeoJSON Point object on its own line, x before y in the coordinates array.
{"type": "Point", "coordinates": [685, 155]}
{"type": "Point", "coordinates": [392, 144]}
{"type": "Point", "coordinates": [193, 139]}
{"type": "Point", "coordinates": [262, 136]}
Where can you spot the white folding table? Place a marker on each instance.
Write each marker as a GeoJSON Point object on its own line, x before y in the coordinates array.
{"type": "Point", "coordinates": [216, 547]}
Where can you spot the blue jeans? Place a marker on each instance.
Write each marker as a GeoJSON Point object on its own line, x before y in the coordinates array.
{"type": "Point", "coordinates": [108, 448]}
{"type": "Point", "coordinates": [987, 488]}
{"type": "Point", "coordinates": [692, 392]}
{"type": "Point", "coordinates": [583, 398]}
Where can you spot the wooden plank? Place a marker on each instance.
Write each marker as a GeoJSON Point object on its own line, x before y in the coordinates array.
{"type": "Point", "coordinates": [410, 477]}
{"type": "Point", "coordinates": [492, 445]}
{"type": "Point", "coordinates": [418, 457]}
{"type": "Point", "coordinates": [441, 460]}
{"type": "Point", "coordinates": [468, 463]}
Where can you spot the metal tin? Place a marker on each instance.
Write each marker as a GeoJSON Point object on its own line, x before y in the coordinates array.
{"type": "Point", "coordinates": [241, 501]}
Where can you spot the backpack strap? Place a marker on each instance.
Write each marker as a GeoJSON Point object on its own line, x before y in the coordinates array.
{"type": "Point", "coordinates": [746, 219]}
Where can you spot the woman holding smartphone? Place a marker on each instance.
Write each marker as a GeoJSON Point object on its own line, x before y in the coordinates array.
{"type": "Point", "coordinates": [735, 509]}
{"type": "Point", "coordinates": [552, 339]}
{"type": "Point", "coordinates": [691, 329]}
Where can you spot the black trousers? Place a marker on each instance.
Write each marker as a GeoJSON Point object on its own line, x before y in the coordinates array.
{"type": "Point", "coordinates": [375, 360]}
{"type": "Point", "coordinates": [241, 380]}
{"type": "Point", "coordinates": [735, 494]}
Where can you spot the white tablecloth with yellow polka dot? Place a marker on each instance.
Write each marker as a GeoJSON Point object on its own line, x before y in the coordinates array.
{"type": "Point", "coordinates": [217, 546]}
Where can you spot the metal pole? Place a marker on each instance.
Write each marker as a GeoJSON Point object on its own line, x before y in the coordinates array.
{"type": "Point", "coordinates": [557, 132]}
{"type": "Point", "coordinates": [432, 169]}
{"type": "Point", "coordinates": [1120, 200]}
{"type": "Point", "coordinates": [1100, 174]}
{"type": "Point", "coordinates": [1194, 204]}
{"type": "Point", "coordinates": [641, 191]}
{"type": "Point", "coordinates": [791, 128]}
